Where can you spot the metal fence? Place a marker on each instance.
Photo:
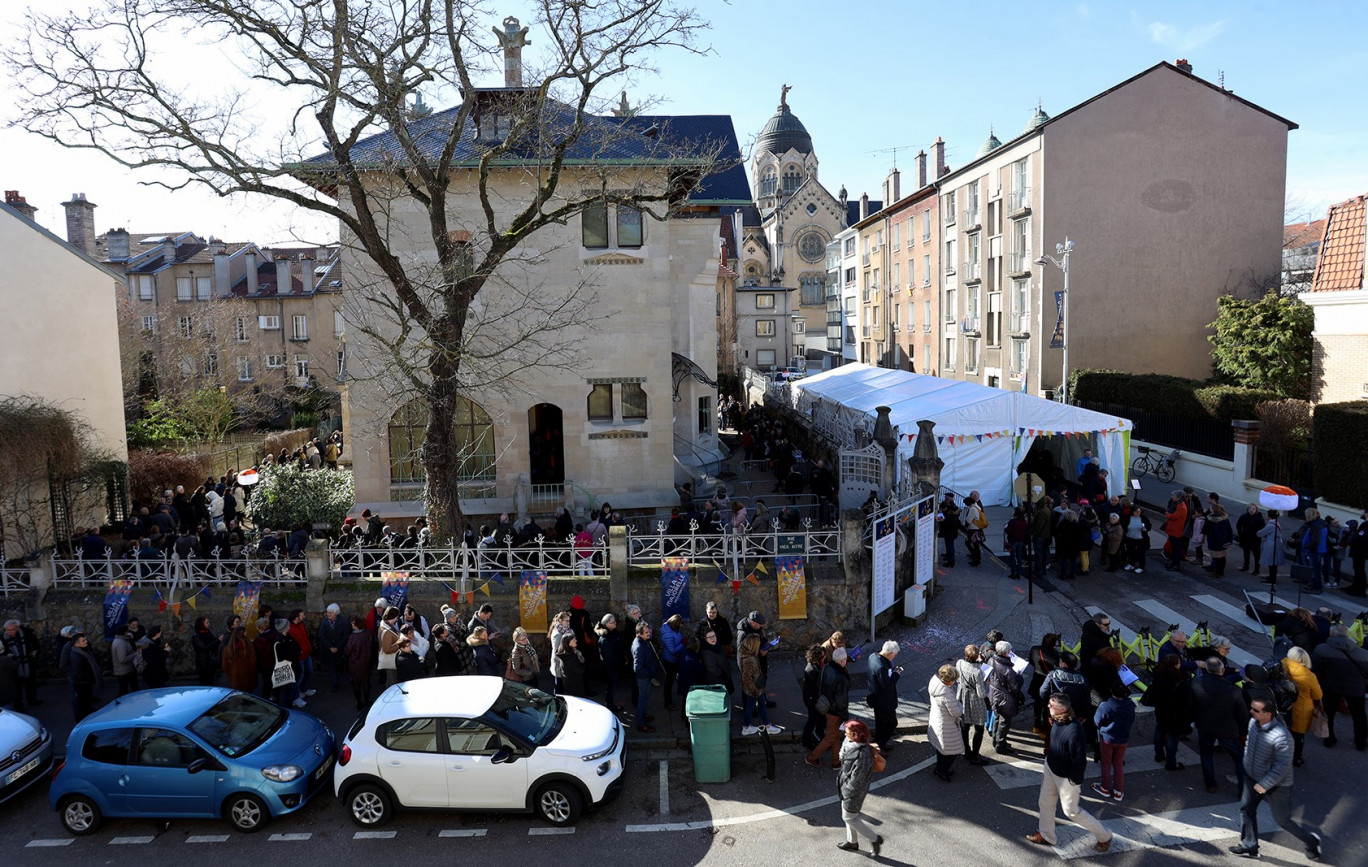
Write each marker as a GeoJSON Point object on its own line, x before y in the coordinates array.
{"type": "Point", "coordinates": [647, 548]}
{"type": "Point", "coordinates": [556, 559]}
{"type": "Point", "coordinates": [1283, 467]}
{"type": "Point", "coordinates": [14, 582]}
{"type": "Point", "coordinates": [1202, 436]}
{"type": "Point", "coordinates": [216, 571]}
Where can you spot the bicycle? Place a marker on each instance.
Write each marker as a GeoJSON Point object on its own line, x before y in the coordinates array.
{"type": "Point", "coordinates": [1150, 461]}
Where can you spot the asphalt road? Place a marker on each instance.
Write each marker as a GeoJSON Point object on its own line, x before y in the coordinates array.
{"type": "Point", "coordinates": [981, 818]}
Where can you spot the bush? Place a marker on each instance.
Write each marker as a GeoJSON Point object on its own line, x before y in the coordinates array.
{"type": "Point", "coordinates": [288, 495]}
{"type": "Point", "coordinates": [1169, 395]}
{"type": "Point", "coordinates": [151, 471]}
{"type": "Point", "coordinates": [304, 420]}
{"type": "Point", "coordinates": [1341, 429]}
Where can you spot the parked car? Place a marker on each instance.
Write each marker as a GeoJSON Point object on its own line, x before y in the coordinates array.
{"type": "Point", "coordinates": [194, 751]}
{"type": "Point", "coordinates": [479, 744]}
{"type": "Point", "coordinates": [25, 753]}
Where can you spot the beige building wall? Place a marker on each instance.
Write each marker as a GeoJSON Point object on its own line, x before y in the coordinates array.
{"type": "Point", "coordinates": [1339, 357]}
{"type": "Point", "coordinates": [1173, 192]}
{"type": "Point", "coordinates": [651, 301]}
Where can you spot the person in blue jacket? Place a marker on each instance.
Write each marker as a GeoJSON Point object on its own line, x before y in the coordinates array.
{"type": "Point", "coordinates": [672, 653]}
{"type": "Point", "coordinates": [1114, 719]}
{"type": "Point", "coordinates": [647, 669]}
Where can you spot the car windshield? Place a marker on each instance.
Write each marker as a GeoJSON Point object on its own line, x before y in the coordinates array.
{"type": "Point", "coordinates": [529, 714]}
{"type": "Point", "coordinates": [238, 724]}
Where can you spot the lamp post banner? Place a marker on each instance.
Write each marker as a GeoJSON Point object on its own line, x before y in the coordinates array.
{"type": "Point", "coordinates": [926, 540]}
{"type": "Point", "coordinates": [1057, 338]}
{"type": "Point", "coordinates": [885, 551]}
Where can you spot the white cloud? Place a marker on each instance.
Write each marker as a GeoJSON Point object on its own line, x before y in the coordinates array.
{"type": "Point", "coordinates": [1183, 40]}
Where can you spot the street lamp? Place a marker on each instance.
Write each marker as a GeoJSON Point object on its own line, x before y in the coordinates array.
{"type": "Point", "coordinates": [1062, 263]}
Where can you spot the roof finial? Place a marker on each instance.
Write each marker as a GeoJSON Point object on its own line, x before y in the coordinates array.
{"type": "Point", "coordinates": [512, 38]}
{"type": "Point", "coordinates": [783, 95]}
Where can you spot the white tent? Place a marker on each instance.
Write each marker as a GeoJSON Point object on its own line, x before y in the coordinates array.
{"type": "Point", "coordinates": [982, 432]}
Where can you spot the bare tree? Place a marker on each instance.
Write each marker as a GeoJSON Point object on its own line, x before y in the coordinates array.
{"type": "Point", "coordinates": [440, 205]}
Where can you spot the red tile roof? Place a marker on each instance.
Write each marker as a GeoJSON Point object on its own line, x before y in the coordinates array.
{"type": "Point", "coordinates": [1340, 267]}
{"type": "Point", "coordinates": [1303, 234]}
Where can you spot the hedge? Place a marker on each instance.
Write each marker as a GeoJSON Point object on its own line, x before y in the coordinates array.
{"type": "Point", "coordinates": [1340, 431]}
{"type": "Point", "coordinates": [1170, 395]}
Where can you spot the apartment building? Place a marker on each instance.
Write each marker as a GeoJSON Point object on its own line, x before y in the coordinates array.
{"type": "Point", "coordinates": [1171, 187]}
{"type": "Point", "coordinates": [1339, 298]}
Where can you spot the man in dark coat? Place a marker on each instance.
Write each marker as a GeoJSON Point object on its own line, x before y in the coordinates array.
{"type": "Point", "coordinates": [1004, 695]}
{"type": "Point", "coordinates": [1096, 635]}
{"type": "Point", "coordinates": [755, 622]}
{"type": "Point", "coordinates": [21, 644]}
{"type": "Point", "coordinates": [883, 694]}
{"type": "Point", "coordinates": [1342, 667]}
{"type": "Point", "coordinates": [948, 528]}
{"type": "Point", "coordinates": [1066, 759]}
{"type": "Point", "coordinates": [1218, 712]}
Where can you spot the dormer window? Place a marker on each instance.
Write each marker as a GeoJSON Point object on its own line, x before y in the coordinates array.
{"type": "Point", "coordinates": [495, 127]}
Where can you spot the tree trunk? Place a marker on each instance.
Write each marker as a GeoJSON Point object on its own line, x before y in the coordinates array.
{"type": "Point", "coordinates": [441, 458]}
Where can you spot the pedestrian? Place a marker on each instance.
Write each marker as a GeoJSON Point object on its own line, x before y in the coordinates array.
{"type": "Point", "coordinates": [357, 651]}
{"type": "Point", "coordinates": [1004, 695]}
{"type": "Point", "coordinates": [523, 664]}
{"type": "Point", "coordinates": [1297, 666]}
{"type": "Point", "coordinates": [1271, 551]}
{"type": "Point", "coordinates": [755, 622]}
{"type": "Point", "coordinates": [1066, 759]}
{"type": "Point", "coordinates": [121, 654]}
{"type": "Point", "coordinates": [948, 528]}
{"type": "Point", "coordinates": [715, 622]}
{"type": "Point", "coordinates": [883, 694]}
{"type": "Point", "coordinates": [1176, 524]}
{"type": "Point", "coordinates": [560, 628]}
{"type": "Point", "coordinates": [1247, 528]}
{"type": "Point", "coordinates": [612, 649]}
{"type": "Point", "coordinates": [974, 523]}
{"type": "Point", "coordinates": [1068, 536]}
{"type": "Point", "coordinates": [1357, 533]}
{"type": "Point", "coordinates": [1219, 538]}
{"type": "Point", "coordinates": [86, 676]}
{"type": "Point", "coordinates": [571, 665]}
{"type": "Point", "coordinates": [1044, 658]}
{"type": "Point", "coordinates": [333, 632]}
{"type": "Point", "coordinates": [156, 658]}
{"type": "Point", "coordinates": [1218, 711]}
{"type": "Point", "coordinates": [1342, 667]}
{"type": "Point", "coordinates": [388, 646]}
{"type": "Point", "coordinates": [487, 664]}
{"type": "Point", "coordinates": [1268, 777]}
{"type": "Point", "coordinates": [238, 660]}
{"type": "Point", "coordinates": [972, 695]}
{"type": "Point", "coordinates": [1136, 543]}
{"type": "Point", "coordinates": [753, 687]}
{"type": "Point", "coordinates": [944, 728]}
{"type": "Point", "coordinates": [20, 642]}
{"type": "Point", "coordinates": [672, 651]}
{"type": "Point", "coordinates": [1018, 534]}
{"type": "Point", "coordinates": [647, 670]}
{"type": "Point", "coordinates": [833, 702]}
{"type": "Point", "coordinates": [1042, 529]}
{"type": "Point", "coordinates": [856, 766]}
{"type": "Point", "coordinates": [1113, 536]}
{"type": "Point", "coordinates": [205, 646]}
{"type": "Point", "coordinates": [299, 631]}
{"type": "Point", "coordinates": [815, 727]}
{"type": "Point", "coordinates": [1114, 718]}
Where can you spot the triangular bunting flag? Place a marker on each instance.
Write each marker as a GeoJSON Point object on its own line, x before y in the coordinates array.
{"type": "Point", "coordinates": [175, 608]}
{"type": "Point", "coordinates": [760, 567]}
{"type": "Point", "coordinates": [752, 579]}
{"type": "Point", "coordinates": [978, 437]}
{"type": "Point", "coordinates": [736, 586]}
{"type": "Point", "coordinates": [455, 597]}
{"type": "Point", "coordinates": [161, 605]}
{"type": "Point", "coordinates": [497, 578]}
{"type": "Point", "coordinates": [470, 597]}
{"type": "Point", "coordinates": [484, 588]}
{"type": "Point", "coordinates": [191, 600]}
{"type": "Point", "coordinates": [205, 591]}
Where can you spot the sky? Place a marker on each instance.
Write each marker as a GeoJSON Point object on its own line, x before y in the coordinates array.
{"type": "Point", "coordinates": [873, 78]}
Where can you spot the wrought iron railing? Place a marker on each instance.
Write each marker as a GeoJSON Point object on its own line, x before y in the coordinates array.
{"type": "Point", "coordinates": [809, 541]}
{"type": "Point", "coordinates": [14, 581]}
{"type": "Point", "coordinates": [555, 558]}
{"type": "Point", "coordinates": [213, 571]}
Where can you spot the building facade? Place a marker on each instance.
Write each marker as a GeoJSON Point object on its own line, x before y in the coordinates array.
{"type": "Point", "coordinates": [1339, 298]}
{"type": "Point", "coordinates": [1172, 190]}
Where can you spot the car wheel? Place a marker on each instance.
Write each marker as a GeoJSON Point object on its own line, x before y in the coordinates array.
{"type": "Point", "coordinates": [247, 813]}
{"type": "Point", "coordinates": [79, 815]}
{"type": "Point", "coordinates": [369, 805]}
{"type": "Point", "coordinates": [559, 803]}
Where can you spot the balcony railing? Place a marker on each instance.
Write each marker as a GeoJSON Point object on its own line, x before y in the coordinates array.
{"type": "Point", "coordinates": [1020, 262]}
{"type": "Point", "coordinates": [864, 259]}
{"type": "Point", "coordinates": [972, 271]}
{"type": "Point", "coordinates": [949, 216]}
{"type": "Point", "coordinates": [970, 325]}
{"type": "Point", "coordinates": [1020, 323]}
{"type": "Point", "coordinates": [971, 218]}
{"type": "Point", "coordinates": [1021, 200]}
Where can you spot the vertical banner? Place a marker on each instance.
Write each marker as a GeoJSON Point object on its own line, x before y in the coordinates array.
{"type": "Point", "coordinates": [116, 605]}
{"type": "Point", "coordinates": [792, 587]}
{"type": "Point", "coordinates": [1057, 338]}
{"type": "Point", "coordinates": [926, 540]}
{"type": "Point", "coordinates": [245, 603]}
{"type": "Point", "coordinates": [532, 601]}
{"type": "Point", "coordinates": [885, 552]}
{"type": "Point", "coordinates": [674, 587]}
{"type": "Point", "coordinates": [394, 587]}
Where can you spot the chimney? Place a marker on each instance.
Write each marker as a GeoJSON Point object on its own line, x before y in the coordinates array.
{"type": "Point", "coordinates": [117, 245]}
{"type": "Point", "coordinates": [18, 203]}
{"type": "Point", "coordinates": [307, 278]}
{"type": "Point", "coordinates": [168, 251]}
{"type": "Point", "coordinates": [223, 276]}
{"type": "Point", "coordinates": [921, 169]}
{"type": "Point", "coordinates": [512, 38]}
{"type": "Point", "coordinates": [892, 187]}
{"type": "Point", "coordinates": [252, 287]}
{"type": "Point", "coordinates": [864, 205]}
{"type": "Point", "coordinates": [282, 264]}
{"type": "Point", "coordinates": [938, 149]}
{"type": "Point", "coordinates": [80, 216]}
{"type": "Point", "coordinates": [1183, 65]}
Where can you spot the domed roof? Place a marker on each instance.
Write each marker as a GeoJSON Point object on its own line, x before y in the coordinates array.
{"type": "Point", "coordinates": [988, 146]}
{"type": "Point", "coordinates": [1038, 118]}
{"type": "Point", "coordinates": [784, 132]}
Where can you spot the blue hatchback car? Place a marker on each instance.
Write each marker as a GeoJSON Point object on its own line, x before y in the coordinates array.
{"type": "Point", "coordinates": [194, 751]}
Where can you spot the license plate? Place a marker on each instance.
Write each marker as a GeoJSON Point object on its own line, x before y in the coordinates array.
{"type": "Point", "coordinates": [323, 768]}
{"type": "Point", "coordinates": [33, 763]}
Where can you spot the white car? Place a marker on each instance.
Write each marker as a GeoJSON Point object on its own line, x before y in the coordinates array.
{"type": "Point", "coordinates": [482, 744]}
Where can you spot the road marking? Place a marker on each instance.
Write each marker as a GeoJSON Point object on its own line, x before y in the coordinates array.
{"type": "Point", "coordinates": [1168, 615]}
{"type": "Point", "coordinates": [1232, 613]}
{"type": "Point", "coordinates": [1158, 830]}
{"type": "Point", "coordinates": [289, 838]}
{"type": "Point", "coordinates": [38, 844]}
{"type": "Point", "coordinates": [207, 838]}
{"type": "Point", "coordinates": [775, 814]}
{"type": "Point", "coordinates": [464, 832]}
{"type": "Point", "coordinates": [664, 788]}
{"type": "Point", "coordinates": [1018, 772]}
{"type": "Point", "coordinates": [548, 832]}
{"type": "Point", "coordinates": [374, 835]}
{"type": "Point", "coordinates": [132, 841]}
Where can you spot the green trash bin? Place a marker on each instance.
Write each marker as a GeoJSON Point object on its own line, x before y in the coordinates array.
{"type": "Point", "coordinates": [709, 713]}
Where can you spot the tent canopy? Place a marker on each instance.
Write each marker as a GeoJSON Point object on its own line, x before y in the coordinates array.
{"type": "Point", "coordinates": [982, 432]}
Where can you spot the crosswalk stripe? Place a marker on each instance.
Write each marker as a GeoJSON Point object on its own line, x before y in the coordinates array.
{"type": "Point", "coordinates": [548, 832]}
{"type": "Point", "coordinates": [374, 835]}
{"type": "Point", "coordinates": [1157, 830]}
{"type": "Point", "coordinates": [1232, 613]}
{"type": "Point", "coordinates": [132, 841]}
{"type": "Point", "coordinates": [289, 838]}
{"type": "Point", "coordinates": [207, 838]}
{"type": "Point", "coordinates": [1017, 772]}
{"type": "Point", "coordinates": [40, 844]}
{"type": "Point", "coordinates": [464, 832]}
{"type": "Point", "coordinates": [1168, 615]}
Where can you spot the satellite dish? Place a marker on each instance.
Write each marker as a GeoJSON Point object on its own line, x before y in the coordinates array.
{"type": "Point", "coordinates": [1037, 490]}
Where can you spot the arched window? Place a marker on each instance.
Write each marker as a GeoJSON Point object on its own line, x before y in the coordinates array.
{"type": "Point", "coordinates": [474, 442]}
{"type": "Point", "coordinates": [813, 288]}
{"type": "Point", "coordinates": [769, 180]}
{"type": "Point", "coordinates": [792, 179]}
